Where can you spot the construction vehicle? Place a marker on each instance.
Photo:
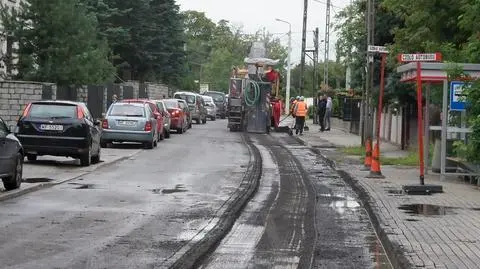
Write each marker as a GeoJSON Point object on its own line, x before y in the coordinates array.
{"type": "Point", "coordinates": [253, 104]}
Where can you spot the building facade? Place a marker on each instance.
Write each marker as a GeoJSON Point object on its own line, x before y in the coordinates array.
{"type": "Point", "coordinates": [6, 44]}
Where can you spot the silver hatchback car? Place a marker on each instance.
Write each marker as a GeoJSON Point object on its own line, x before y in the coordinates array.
{"type": "Point", "coordinates": [130, 122]}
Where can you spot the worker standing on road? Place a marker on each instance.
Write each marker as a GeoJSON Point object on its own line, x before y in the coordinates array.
{"type": "Point", "coordinates": [322, 108]}
{"type": "Point", "coordinates": [300, 114]}
{"type": "Point", "coordinates": [292, 109]}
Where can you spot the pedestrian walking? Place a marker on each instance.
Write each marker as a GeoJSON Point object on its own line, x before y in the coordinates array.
{"type": "Point", "coordinates": [300, 114]}
{"type": "Point", "coordinates": [328, 113]}
{"type": "Point", "coordinates": [322, 108]}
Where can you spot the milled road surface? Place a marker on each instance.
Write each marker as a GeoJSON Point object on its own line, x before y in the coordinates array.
{"type": "Point", "coordinates": [303, 216]}
{"type": "Point", "coordinates": [276, 228]}
{"type": "Point", "coordinates": [134, 214]}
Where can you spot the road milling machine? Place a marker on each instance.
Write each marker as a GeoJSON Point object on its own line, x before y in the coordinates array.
{"type": "Point", "coordinates": [253, 104]}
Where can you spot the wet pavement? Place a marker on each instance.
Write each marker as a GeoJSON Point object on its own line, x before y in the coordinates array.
{"type": "Point", "coordinates": [274, 230]}
{"type": "Point", "coordinates": [137, 213]}
{"type": "Point", "coordinates": [277, 228]}
{"type": "Point", "coordinates": [345, 235]}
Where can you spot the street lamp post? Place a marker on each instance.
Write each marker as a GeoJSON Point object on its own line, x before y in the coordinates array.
{"type": "Point", "coordinates": [287, 93]}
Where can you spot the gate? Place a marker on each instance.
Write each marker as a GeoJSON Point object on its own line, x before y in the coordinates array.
{"type": "Point", "coordinates": [111, 90]}
{"type": "Point", "coordinates": [143, 91]}
{"type": "Point", "coordinates": [96, 94]}
{"type": "Point", "coordinates": [47, 92]}
{"type": "Point", "coordinates": [127, 92]}
{"type": "Point", "coordinates": [66, 93]}
{"type": "Point", "coordinates": [355, 116]}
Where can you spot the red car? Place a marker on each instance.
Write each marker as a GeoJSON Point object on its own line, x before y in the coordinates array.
{"type": "Point", "coordinates": [156, 112]}
{"type": "Point", "coordinates": [178, 112]}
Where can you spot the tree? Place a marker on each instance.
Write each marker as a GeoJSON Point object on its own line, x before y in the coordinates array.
{"type": "Point", "coordinates": [58, 42]}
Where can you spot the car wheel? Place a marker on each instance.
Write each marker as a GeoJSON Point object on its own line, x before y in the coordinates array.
{"type": "Point", "coordinates": [222, 117]}
{"type": "Point", "coordinates": [180, 130]}
{"type": "Point", "coordinates": [14, 181]}
{"type": "Point", "coordinates": [197, 121]}
{"type": "Point", "coordinates": [167, 134]}
{"type": "Point", "coordinates": [162, 136]}
{"type": "Point", "coordinates": [32, 157]}
{"type": "Point", "coordinates": [150, 145]}
{"type": "Point", "coordinates": [96, 158]}
{"type": "Point", "coordinates": [214, 118]}
{"type": "Point", "coordinates": [86, 159]}
{"type": "Point", "coordinates": [104, 144]}
{"type": "Point", "coordinates": [204, 120]}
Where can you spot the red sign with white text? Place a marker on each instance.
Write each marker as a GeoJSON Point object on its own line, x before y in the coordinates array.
{"type": "Point", "coordinates": [420, 57]}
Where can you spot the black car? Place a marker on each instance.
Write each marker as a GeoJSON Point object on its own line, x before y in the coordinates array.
{"type": "Point", "coordinates": [11, 158]}
{"type": "Point", "coordinates": [60, 128]}
{"type": "Point", "coordinates": [220, 100]}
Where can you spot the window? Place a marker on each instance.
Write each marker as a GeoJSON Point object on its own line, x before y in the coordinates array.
{"type": "Point", "coordinates": [52, 111]}
{"type": "Point", "coordinates": [152, 107]}
{"type": "Point", "coordinates": [127, 110]}
{"type": "Point", "coordinates": [171, 103]}
{"type": "Point", "coordinates": [160, 106]}
{"type": "Point", "coordinates": [189, 98]}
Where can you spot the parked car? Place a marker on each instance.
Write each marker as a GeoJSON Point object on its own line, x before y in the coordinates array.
{"type": "Point", "coordinates": [184, 107]}
{"type": "Point", "coordinates": [195, 104]}
{"type": "Point", "coordinates": [166, 117]}
{"type": "Point", "coordinates": [59, 128]}
{"type": "Point", "coordinates": [220, 100]}
{"type": "Point", "coordinates": [211, 107]}
{"type": "Point", "coordinates": [158, 115]}
{"type": "Point", "coordinates": [179, 116]}
{"type": "Point", "coordinates": [130, 122]}
{"type": "Point", "coordinates": [11, 158]}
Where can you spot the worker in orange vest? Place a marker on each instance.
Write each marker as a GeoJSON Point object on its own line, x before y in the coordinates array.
{"type": "Point", "coordinates": [300, 112]}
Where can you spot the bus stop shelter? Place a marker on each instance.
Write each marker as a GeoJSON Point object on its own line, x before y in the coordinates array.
{"type": "Point", "coordinates": [436, 73]}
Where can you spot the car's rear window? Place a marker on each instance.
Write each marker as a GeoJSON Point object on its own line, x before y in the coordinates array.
{"type": "Point", "coordinates": [127, 110]}
{"type": "Point", "coordinates": [217, 97]}
{"type": "Point", "coordinates": [171, 103]}
{"type": "Point", "coordinates": [189, 98]}
{"type": "Point", "coordinates": [53, 111]}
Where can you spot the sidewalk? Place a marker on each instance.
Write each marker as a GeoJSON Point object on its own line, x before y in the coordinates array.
{"type": "Point", "coordinates": [436, 231]}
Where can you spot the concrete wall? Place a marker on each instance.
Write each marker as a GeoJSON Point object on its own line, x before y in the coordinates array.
{"type": "Point", "coordinates": [15, 95]}
{"type": "Point", "coordinates": [157, 91]}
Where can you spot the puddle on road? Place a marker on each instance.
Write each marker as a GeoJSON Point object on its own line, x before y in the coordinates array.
{"type": "Point", "coordinates": [427, 210]}
{"type": "Point", "coordinates": [85, 186]}
{"type": "Point", "coordinates": [178, 188]}
{"type": "Point", "coordinates": [37, 180]}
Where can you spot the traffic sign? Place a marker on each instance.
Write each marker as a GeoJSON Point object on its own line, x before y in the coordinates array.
{"type": "Point", "coordinates": [457, 102]}
{"type": "Point", "coordinates": [380, 49]}
{"type": "Point", "coordinates": [420, 57]}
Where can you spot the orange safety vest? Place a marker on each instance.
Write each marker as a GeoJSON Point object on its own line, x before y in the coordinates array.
{"type": "Point", "coordinates": [301, 109]}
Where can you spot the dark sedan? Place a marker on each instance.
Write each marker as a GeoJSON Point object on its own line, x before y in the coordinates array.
{"type": "Point", "coordinates": [60, 128]}
{"type": "Point", "coordinates": [11, 158]}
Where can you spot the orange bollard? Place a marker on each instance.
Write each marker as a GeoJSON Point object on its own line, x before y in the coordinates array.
{"type": "Point", "coordinates": [368, 155]}
{"type": "Point", "coordinates": [375, 171]}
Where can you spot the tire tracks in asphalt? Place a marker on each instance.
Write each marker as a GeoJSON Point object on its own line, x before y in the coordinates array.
{"type": "Point", "coordinates": [204, 242]}
{"type": "Point", "coordinates": [276, 228]}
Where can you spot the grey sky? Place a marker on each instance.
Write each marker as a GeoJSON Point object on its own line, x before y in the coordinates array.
{"type": "Point", "coordinates": [256, 14]}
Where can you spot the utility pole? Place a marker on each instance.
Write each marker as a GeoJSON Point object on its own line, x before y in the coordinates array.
{"type": "Point", "coordinates": [327, 44]}
{"type": "Point", "coordinates": [287, 92]}
{"type": "Point", "coordinates": [316, 41]}
{"type": "Point", "coordinates": [367, 126]}
{"type": "Point", "coordinates": [304, 45]}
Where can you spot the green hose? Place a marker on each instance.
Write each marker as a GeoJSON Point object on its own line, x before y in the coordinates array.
{"type": "Point", "coordinates": [256, 98]}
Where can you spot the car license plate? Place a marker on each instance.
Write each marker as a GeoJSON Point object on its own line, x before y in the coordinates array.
{"type": "Point", "coordinates": [50, 127]}
{"type": "Point", "coordinates": [126, 122]}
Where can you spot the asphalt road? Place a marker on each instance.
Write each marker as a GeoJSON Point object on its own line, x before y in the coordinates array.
{"type": "Point", "coordinates": [137, 213]}
{"type": "Point", "coordinates": [303, 216]}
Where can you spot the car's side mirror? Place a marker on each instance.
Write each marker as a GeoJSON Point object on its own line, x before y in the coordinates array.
{"type": "Point", "coordinates": [97, 123]}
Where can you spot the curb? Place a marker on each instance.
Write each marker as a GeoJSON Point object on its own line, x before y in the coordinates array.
{"type": "Point", "coordinates": [192, 254]}
{"type": "Point", "coordinates": [20, 192]}
{"type": "Point", "coordinates": [393, 250]}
